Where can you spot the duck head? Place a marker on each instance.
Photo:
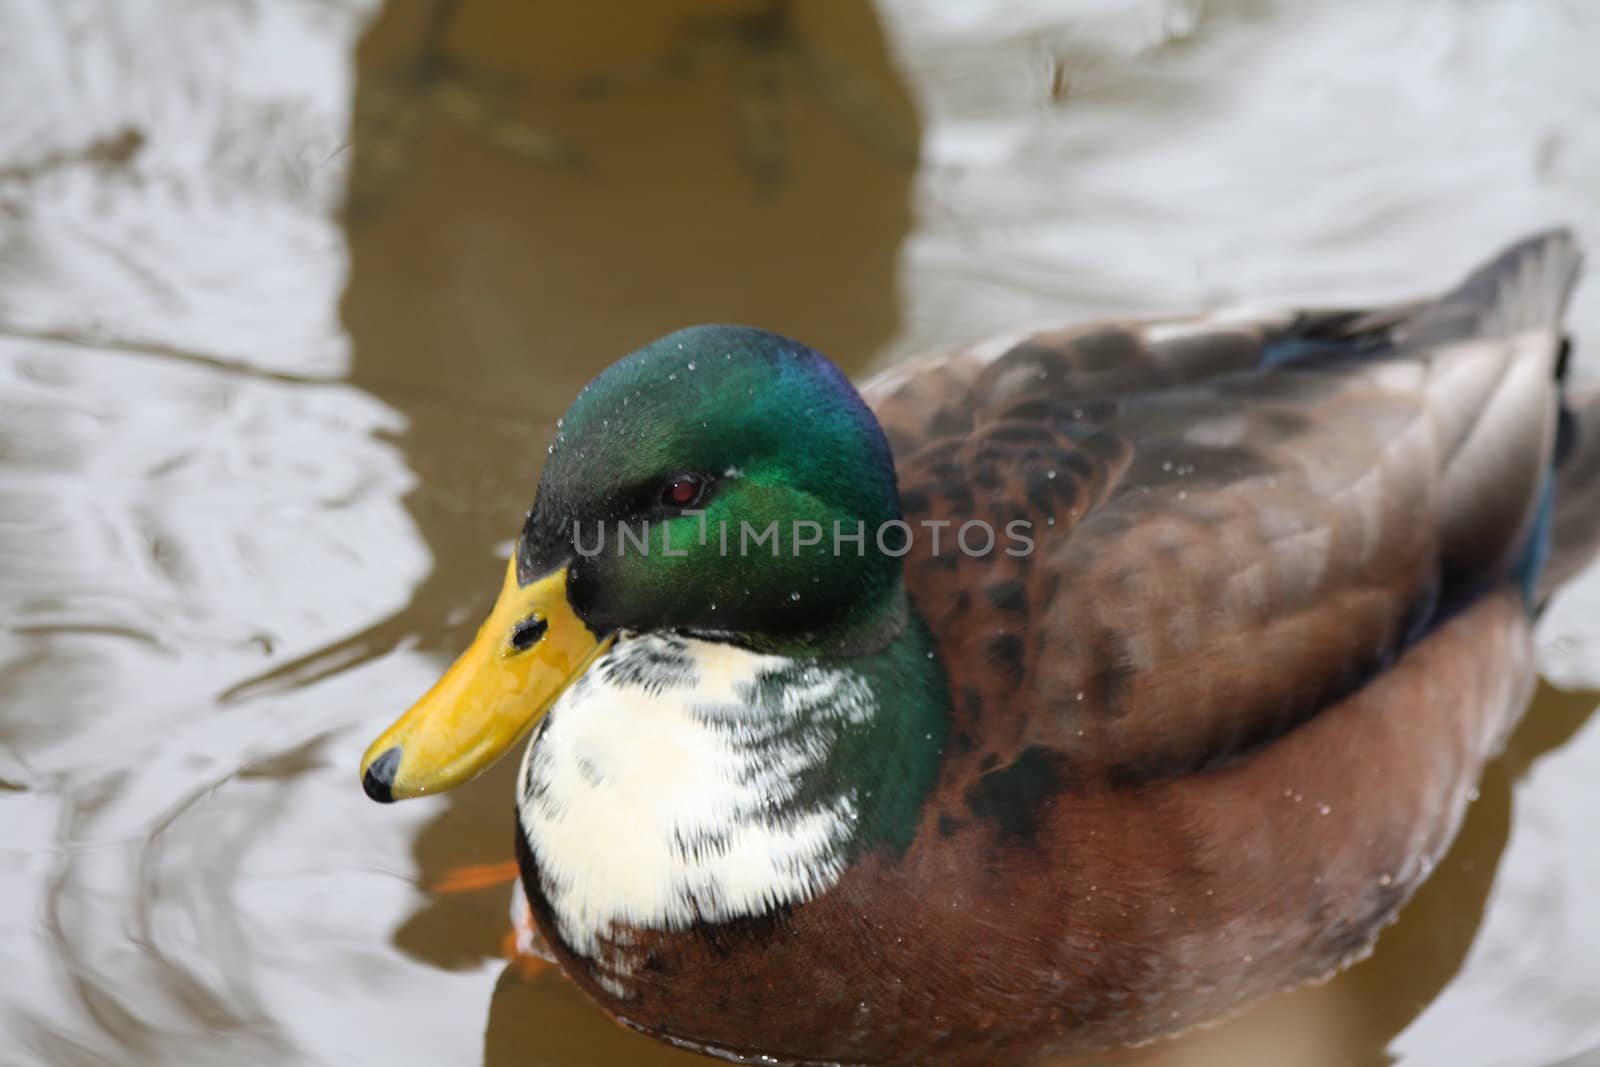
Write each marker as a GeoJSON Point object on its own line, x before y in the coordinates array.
{"type": "Point", "coordinates": [724, 483]}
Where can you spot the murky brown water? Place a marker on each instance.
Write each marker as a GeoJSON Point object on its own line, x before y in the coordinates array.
{"type": "Point", "coordinates": [260, 459]}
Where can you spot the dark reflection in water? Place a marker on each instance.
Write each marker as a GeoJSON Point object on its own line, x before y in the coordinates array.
{"type": "Point", "coordinates": [537, 190]}
{"type": "Point", "coordinates": [223, 566]}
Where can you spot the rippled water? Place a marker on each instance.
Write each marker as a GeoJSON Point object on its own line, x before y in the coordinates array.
{"type": "Point", "coordinates": [285, 322]}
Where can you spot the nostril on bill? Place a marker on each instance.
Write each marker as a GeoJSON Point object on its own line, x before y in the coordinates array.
{"type": "Point", "coordinates": [527, 633]}
{"type": "Point", "coordinates": [379, 779]}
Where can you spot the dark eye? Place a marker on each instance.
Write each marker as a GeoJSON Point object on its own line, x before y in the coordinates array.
{"type": "Point", "coordinates": [683, 491]}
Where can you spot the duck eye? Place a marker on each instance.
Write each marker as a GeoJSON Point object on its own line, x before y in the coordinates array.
{"type": "Point", "coordinates": [683, 491]}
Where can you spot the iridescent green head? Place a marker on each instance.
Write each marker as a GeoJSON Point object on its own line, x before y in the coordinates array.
{"type": "Point", "coordinates": [721, 480]}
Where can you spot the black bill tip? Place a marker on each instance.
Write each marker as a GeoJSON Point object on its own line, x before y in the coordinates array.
{"type": "Point", "coordinates": [379, 779]}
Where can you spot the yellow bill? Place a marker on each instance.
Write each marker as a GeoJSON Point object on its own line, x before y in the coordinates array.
{"type": "Point", "coordinates": [530, 648]}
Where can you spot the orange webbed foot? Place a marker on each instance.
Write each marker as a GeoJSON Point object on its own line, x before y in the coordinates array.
{"type": "Point", "coordinates": [522, 946]}
{"type": "Point", "coordinates": [470, 877]}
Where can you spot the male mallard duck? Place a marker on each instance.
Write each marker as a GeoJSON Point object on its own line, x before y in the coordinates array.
{"type": "Point", "coordinates": [1225, 617]}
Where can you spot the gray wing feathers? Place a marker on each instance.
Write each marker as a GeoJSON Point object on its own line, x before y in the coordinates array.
{"type": "Point", "coordinates": [1524, 288]}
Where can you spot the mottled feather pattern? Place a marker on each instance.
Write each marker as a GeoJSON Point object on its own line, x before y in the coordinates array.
{"type": "Point", "coordinates": [1197, 513]}
{"type": "Point", "coordinates": [655, 666]}
{"type": "Point", "coordinates": [623, 840]}
{"type": "Point", "coordinates": [1178, 534]}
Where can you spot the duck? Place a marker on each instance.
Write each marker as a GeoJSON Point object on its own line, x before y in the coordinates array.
{"type": "Point", "coordinates": [1048, 696]}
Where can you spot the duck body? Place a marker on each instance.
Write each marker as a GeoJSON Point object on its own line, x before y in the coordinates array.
{"type": "Point", "coordinates": [1197, 742]}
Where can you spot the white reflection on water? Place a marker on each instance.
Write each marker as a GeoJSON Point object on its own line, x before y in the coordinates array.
{"type": "Point", "coordinates": [186, 499]}
{"type": "Point", "coordinates": [170, 170]}
{"type": "Point", "coordinates": [1201, 154]}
